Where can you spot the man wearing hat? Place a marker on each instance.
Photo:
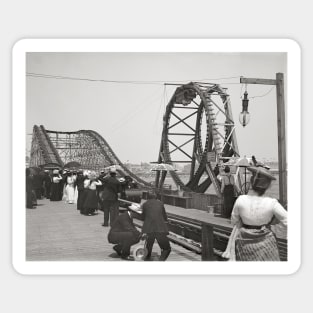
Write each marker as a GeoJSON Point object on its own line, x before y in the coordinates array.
{"type": "Point", "coordinates": [123, 234]}
{"type": "Point", "coordinates": [109, 197]}
{"type": "Point", "coordinates": [155, 226]}
{"type": "Point", "coordinates": [100, 187]}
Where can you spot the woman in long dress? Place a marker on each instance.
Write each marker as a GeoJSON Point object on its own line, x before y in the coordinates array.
{"type": "Point", "coordinates": [252, 237]}
{"type": "Point", "coordinates": [80, 189]}
{"type": "Point", "coordinates": [229, 190]}
{"type": "Point", "coordinates": [70, 189]}
{"type": "Point", "coordinates": [91, 200]}
{"type": "Point", "coordinates": [55, 186]}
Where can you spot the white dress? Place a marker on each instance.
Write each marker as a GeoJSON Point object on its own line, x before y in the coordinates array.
{"type": "Point", "coordinates": [70, 190]}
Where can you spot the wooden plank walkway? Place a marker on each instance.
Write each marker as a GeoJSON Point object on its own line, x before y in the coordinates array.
{"type": "Point", "coordinates": [55, 231]}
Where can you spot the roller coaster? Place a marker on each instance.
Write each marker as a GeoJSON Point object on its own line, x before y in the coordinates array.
{"type": "Point", "coordinates": [198, 129]}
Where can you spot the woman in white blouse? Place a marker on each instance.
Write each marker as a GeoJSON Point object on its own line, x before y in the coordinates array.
{"type": "Point", "coordinates": [252, 215]}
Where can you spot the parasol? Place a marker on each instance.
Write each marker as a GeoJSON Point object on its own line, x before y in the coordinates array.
{"type": "Point", "coordinates": [162, 167]}
{"type": "Point", "coordinates": [117, 167]}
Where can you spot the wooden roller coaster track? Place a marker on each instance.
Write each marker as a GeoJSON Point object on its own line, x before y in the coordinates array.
{"type": "Point", "coordinates": [208, 135]}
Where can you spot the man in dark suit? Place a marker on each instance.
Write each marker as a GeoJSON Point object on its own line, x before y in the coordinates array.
{"type": "Point", "coordinates": [80, 189]}
{"type": "Point", "coordinates": [154, 226]}
{"type": "Point", "coordinates": [124, 234]}
{"type": "Point", "coordinates": [109, 197]}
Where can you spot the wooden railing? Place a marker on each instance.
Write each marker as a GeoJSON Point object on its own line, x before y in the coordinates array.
{"type": "Point", "coordinates": [203, 237]}
{"type": "Point", "coordinates": [189, 200]}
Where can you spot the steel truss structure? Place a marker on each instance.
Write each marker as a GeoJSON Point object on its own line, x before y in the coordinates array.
{"type": "Point", "coordinates": [57, 149]}
{"type": "Point", "coordinates": [208, 133]}
{"type": "Point", "coordinates": [198, 129]}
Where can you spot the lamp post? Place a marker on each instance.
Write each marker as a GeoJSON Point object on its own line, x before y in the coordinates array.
{"type": "Point", "coordinates": [244, 116]}
{"type": "Point", "coordinates": [280, 99]}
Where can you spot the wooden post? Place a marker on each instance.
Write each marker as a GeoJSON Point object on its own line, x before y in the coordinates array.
{"type": "Point", "coordinates": [207, 243]}
{"type": "Point", "coordinates": [281, 131]}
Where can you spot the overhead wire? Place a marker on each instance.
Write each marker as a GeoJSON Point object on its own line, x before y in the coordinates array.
{"type": "Point", "coordinates": [130, 119]}
{"type": "Point", "coordinates": [141, 107]}
{"type": "Point", "coordinates": [158, 82]}
{"type": "Point", "coordinates": [132, 112]}
{"type": "Point", "coordinates": [163, 101]}
{"type": "Point", "coordinates": [260, 96]}
{"type": "Point", "coordinates": [37, 75]}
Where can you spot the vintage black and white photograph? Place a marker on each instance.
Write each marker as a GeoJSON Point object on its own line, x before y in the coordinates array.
{"type": "Point", "coordinates": [147, 157]}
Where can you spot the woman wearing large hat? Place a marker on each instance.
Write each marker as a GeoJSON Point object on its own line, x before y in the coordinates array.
{"type": "Point", "coordinates": [252, 238]}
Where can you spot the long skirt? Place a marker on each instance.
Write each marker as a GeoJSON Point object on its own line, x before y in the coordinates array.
{"type": "Point", "coordinates": [70, 193]}
{"type": "Point", "coordinates": [29, 199]}
{"type": "Point", "coordinates": [229, 200]}
{"type": "Point", "coordinates": [61, 189]}
{"type": "Point", "coordinates": [55, 192]}
{"type": "Point", "coordinates": [256, 245]}
{"type": "Point", "coordinates": [91, 201]}
{"type": "Point", "coordinates": [80, 199]}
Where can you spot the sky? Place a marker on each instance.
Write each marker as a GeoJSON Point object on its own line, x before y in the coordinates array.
{"type": "Point", "coordinates": [129, 115]}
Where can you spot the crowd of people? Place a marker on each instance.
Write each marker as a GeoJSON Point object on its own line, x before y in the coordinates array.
{"type": "Point", "coordinates": [91, 192]}
{"type": "Point", "coordinates": [38, 185]}
{"type": "Point", "coordinates": [86, 189]}
{"type": "Point", "coordinates": [252, 215]}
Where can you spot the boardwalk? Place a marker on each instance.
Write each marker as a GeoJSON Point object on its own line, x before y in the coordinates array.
{"type": "Point", "coordinates": [55, 231]}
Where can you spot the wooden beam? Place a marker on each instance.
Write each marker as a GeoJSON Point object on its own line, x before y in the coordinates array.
{"type": "Point", "coordinates": [180, 134]}
{"type": "Point", "coordinates": [281, 139]}
{"type": "Point", "coordinates": [281, 129]}
{"type": "Point", "coordinates": [259, 81]}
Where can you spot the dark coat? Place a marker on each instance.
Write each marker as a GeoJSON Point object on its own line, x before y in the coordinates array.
{"type": "Point", "coordinates": [111, 188]}
{"type": "Point", "coordinates": [29, 184]}
{"type": "Point", "coordinates": [154, 217]}
{"type": "Point", "coordinates": [37, 181]}
{"type": "Point", "coordinates": [123, 223]}
{"type": "Point", "coordinates": [29, 192]}
{"type": "Point", "coordinates": [80, 182]}
{"type": "Point", "coordinates": [47, 180]}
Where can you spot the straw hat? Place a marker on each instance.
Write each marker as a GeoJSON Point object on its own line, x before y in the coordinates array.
{"type": "Point", "coordinates": [112, 170]}
{"type": "Point", "coordinates": [92, 175]}
{"type": "Point", "coordinates": [261, 178]}
{"type": "Point", "coordinates": [261, 171]}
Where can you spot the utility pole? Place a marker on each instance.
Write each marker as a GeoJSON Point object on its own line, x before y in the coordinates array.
{"type": "Point", "coordinates": [281, 129]}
